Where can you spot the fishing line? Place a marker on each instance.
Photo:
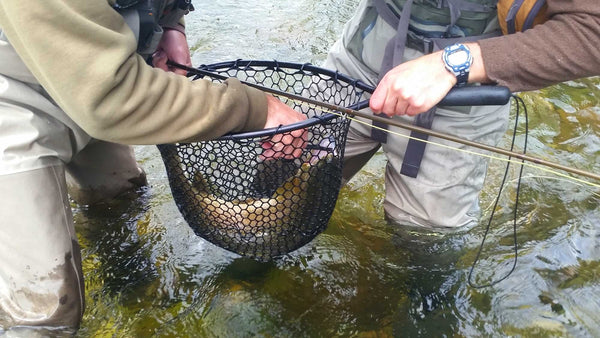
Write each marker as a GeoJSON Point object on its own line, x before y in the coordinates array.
{"type": "Point", "coordinates": [493, 157]}
{"type": "Point", "coordinates": [593, 193]}
{"type": "Point", "coordinates": [516, 207]}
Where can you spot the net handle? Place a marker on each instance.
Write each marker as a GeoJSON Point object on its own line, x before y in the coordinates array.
{"type": "Point", "coordinates": [484, 95]}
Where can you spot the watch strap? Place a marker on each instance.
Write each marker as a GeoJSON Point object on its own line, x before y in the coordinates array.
{"type": "Point", "coordinates": [462, 78]}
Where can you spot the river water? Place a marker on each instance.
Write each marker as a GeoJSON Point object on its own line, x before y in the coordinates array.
{"type": "Point", "coordinates": [147, 274]}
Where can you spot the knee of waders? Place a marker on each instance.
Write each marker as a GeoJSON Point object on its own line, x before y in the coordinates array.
{"type": "Point", "coordinates": [41, 280]}
{"type": "Point", "coordinates": [102, 187]}
{"type": "Point", "coordinates": [54, 302]}
{"type": "Point", "coordinates": [102, 171]}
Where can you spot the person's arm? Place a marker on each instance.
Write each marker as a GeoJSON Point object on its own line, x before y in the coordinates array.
{"type": "Point", "coordinates": [173, 46]}
{"type": "Point", "coordinates": [561, 49]}
{"type": "Point", "coordinates": [84, 55]}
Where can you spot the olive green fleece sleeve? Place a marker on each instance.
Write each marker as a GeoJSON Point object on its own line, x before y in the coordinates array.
{"type": "Point", "coordinates": [83, 53]}
{"type": "Point", "coordinates": [563, 48]}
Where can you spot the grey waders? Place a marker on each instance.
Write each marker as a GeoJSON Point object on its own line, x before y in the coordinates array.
{"type": "Point", "coordinates": [41, 283]}
{"type": "Point", "coordinates": [440, 189]}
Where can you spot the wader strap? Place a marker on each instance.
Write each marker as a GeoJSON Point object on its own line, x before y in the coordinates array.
{"type": "Point", "coordinates": [441, 43]}
{"type": "Point", "coordinates": [379, 129]}
{"type": "Point", "coordinates": [386, 13]}
{"type": "Point", "coordinates": [392, 55]}
{"type": "Point", "coordinates": [512, 14]}
{"type": "Point", "coordinates": [416, 148]}
{"type": "Point", "coordinates": [394, 51]}
{"type": "Point", "coordinates": [171, 16]}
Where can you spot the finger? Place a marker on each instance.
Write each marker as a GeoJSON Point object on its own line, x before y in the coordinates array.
{"type": "Point", "coordinates": [378, 98]}
{"type": "Point", "coordinates": [292, 153]}
{"type": "Point", "coordinates": [299, 138]}
{"type": "Point", "coordinates": [266, 145]}
{"type": "Point", "coordinates": [299, 144]}
{"type": "Point", "coordinates": [292, 144]}
{"type": "Point", "coordinates": [401, 108]}
{"type": "Point", "coordinates": [268, 155]}
{"type": "Point", "coordinates": [391, 105]}
{"type": "Point", "coordinates": [269, 151]}
{"type": "Point", "coordinates": [178, 71]}
{"type": "Point", "coordinates": [292, 150]}
{"type": "Point", "coordinates": [412, 111]}
{"type": "Point", "coordinates": [277, 137]}
{"type": "Point", "coordinates": [159, 60]}
{"type": "Point", "coordinates": [300, 135]}
{"type": "Point", "coordinates": [182, 60]}
{"type": "Point", "coordinates": [287, 144]}
{"type": "Point", "coordinates": [276, 144]}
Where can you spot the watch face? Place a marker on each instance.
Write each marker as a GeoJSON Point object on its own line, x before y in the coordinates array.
{"type": "Point", "coordinates": [458, 57]}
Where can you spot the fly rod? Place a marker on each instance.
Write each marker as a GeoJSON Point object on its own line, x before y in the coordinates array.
{"type": "Point", "coordinates": [463, 96]}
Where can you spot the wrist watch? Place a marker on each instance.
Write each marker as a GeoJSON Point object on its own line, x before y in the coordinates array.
{"type": "Point", "coordinates": [458, 59]}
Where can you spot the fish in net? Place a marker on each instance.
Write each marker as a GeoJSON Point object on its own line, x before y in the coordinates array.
{"type": "Point", "coordinates": [262, 208]}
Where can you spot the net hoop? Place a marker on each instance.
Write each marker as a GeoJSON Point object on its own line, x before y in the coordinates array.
{"type": "Point", "coordinates": [274, 65]}
{"type": "Point", "coordinates": [264, 208]}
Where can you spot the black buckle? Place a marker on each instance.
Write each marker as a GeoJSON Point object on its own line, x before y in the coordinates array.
{"type": "Point", "coordinates": [122, 4]}
{"type": "Point", "coordinates": [419, 42]}
{"type": "Point", "coordinates": [185, 5]}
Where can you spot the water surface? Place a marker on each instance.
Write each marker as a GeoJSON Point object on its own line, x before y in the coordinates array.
{"type": "Point", "coordinates": [147, 274]}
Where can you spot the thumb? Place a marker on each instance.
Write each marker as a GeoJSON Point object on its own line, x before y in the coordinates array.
{"type": "Point", "coordinates": [159, 60]}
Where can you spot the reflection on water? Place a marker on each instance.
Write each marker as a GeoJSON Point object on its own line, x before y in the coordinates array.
{"type": "Point", "coordinates": [148, 275]}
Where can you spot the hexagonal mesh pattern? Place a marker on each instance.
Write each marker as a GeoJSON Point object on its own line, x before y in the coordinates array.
{"type": "Point", "coordinates": [232, 196]}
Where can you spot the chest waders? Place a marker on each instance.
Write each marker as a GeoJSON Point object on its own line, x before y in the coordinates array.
{"type": "Point", "coordinates": [146, 18]}
{"type": "Point", "coordinates": [419, 39]}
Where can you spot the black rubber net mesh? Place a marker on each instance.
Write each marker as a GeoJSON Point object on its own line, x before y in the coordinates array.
{"type": "Point", "coordinates": [235, 198]}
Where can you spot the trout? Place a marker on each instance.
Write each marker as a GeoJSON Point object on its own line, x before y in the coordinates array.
{"type": "Point", "coordinates": [258, 227]}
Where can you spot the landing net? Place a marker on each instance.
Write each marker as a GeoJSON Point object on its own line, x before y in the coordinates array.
{"type": "Point", "coordinates": [234, 197]}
